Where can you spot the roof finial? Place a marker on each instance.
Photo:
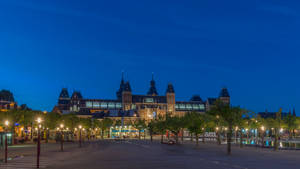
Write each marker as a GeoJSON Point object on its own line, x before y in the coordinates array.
{"type": "Point", "coordinates": [152, 75]}
{"type": "Point", "coordinates": [122, 74]}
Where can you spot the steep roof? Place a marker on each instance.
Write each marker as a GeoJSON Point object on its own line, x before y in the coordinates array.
{"type": "Point", "coordinates": [152, 90]}
{"type": "Point", "coordinates": [64, 93]}
{"type": "Point", "coordinates": [224, 92]}
{"type": "Point", "coordinates": [170, 88]}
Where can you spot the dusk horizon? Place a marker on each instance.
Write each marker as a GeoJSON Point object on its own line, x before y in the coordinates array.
{"type": "Point", "coordinates": [251, 48]}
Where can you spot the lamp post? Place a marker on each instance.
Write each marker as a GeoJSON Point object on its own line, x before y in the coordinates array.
{"type": "Point", "coordinates": [61, 137]}
{"type": "Point", "coordinates": [79, 135]}
{"type": "Point", "coordinates": [39, 120]}
{"type": "Point", "coordinates": [6, 126]}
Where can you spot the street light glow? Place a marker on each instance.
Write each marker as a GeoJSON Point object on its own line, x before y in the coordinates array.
{"type": "Point", "coordinates": [61, 126]}
{"type": "Point", "coordinates": [39, 120]}
{"type": "Point", "coordinates": [79, 126]}
{"type": "Point", "coordinates": [6, 122]}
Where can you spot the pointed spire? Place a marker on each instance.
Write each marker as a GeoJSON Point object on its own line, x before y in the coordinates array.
{"type": "Point", "coordinates": [290, 113]}
{"type": "Point", "coordinates": [152, 76]}
{"type": "Point", "coordinates": [294, 112]}
{"type": "Point", "coordinates": [122, 87]}
{"type": "Point", "coordinates": [152, 91]}
{"type": "Point", "coordinates": [122, 80]}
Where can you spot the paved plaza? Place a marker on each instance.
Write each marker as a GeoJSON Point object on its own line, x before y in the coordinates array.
{"type": "Point", "coordinates": [134, 154]}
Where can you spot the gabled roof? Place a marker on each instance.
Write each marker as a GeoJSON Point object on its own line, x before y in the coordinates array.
{"type": "Point", "coordinates": [64, 93]}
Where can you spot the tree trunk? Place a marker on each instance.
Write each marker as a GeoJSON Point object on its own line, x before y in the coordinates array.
{"type": "Point", "coordinates": [102, 134]}
{"type": "Point", "coordinates": [235, 136]}
{"type": "Point", "coordinates": [151, 139]}
{"type": "Point", "coordinates": [182, 135]}
{"type": "Point", "coordinates": [276, 140]}
{"type": "Point", "coordinates": [139, 134]}
{"type": "Point", "coordinates": [162, 138]}
{"type": "Point", "coordinates": [262, 139]}
{"type": "Point", "coordinates": [218, 138]}
{"type": "Point", "coordinates": [241, 138]}
{"type": "Point", "coordinates": [191, 137]}
{"type": "Point", "coordinates": [203, 138]}
{"type": "Point", "coordinates": [176, 138]}
{"type": "Point", "coordinates": [197, 139]}
{"type": "Point", "coordinates": [229, 134]}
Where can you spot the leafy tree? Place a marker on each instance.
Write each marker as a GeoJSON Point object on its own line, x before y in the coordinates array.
{"type": "Point", "coordinates": [140, 125]}
{"type": "Point", "coordinates": [175, 124]}
{"type": "Point", "coordinates": [151, 126]}
{"type": "Point", "coordinates": [196, 124]}
{"type": "Point", "coordinates": [230, 115]}
{"type": "Point", "coordinates": [290, 123]}
{"type": "Point", "coordinates": [105, 124]}
{"type": "Point", "coordinates": [160, 127]}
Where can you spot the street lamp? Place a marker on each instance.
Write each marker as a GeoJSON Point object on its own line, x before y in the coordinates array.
{"type": "Point", "coordinates": [39, 120]}
{"type": "Point", "coordinates": [79, 135]}
{"type": "Point", "coordinates": [61, 137]}
{"type": "Point", "coordinates": [6, 126]}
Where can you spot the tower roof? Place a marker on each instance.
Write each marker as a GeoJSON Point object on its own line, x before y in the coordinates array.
{"type": "Point", "coordinates": [224, 92]}
{"type": "Point", "coordinates": [6, 95]}
{"type": "Point", "coordinates": [64, 93]}
{"type": "Point", "coordinates": [122, 87]}
{"type": "Point", "coordinates": [76, 95]}
{"type": "Point", "coordinates": [127, 87]}
{"type": "Point", "coordinates": [294, 112]}
{"type": "Point", "coordinates": [152, 90]}
{"type": "Point", "coordinates": [170, 88]}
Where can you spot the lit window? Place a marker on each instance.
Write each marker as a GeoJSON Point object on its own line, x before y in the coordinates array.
{"type": "Point", "coordinates": [103, 105]}
{"type": "Point", "coordinates": [96, 104]}
{"type": "Point", "coordinates": [111, 105]}
{"type": "Point", "coordinates": [89, 104]}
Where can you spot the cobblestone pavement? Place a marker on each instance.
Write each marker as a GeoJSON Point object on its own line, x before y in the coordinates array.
{"type": "Point", "coordinates": [143, 154]}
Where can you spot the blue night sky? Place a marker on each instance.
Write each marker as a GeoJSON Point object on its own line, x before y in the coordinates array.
{"type": "Point", "coordinates": [251, 47]}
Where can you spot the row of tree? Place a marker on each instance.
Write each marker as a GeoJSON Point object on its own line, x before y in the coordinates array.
{"type": "Point", "coordinates": [227, 120]}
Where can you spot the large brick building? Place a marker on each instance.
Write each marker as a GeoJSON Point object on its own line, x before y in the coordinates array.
{"type": "Point", "coordinates": [132, 106]}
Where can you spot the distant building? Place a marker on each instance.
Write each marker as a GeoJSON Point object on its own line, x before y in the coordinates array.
{"type": "Point", "coordinates": [7, 101]}
{"type": "Point", "coordinates": [267, 114]}
{"type": "Point", "coordinates": [132, 106]}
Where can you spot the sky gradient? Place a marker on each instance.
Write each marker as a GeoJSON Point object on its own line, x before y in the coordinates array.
{"type": "Point", "coordinates": [251, 47]}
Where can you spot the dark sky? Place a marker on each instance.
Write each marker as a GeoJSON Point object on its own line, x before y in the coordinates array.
{"type": "Point", "coordinates": [251, 47]}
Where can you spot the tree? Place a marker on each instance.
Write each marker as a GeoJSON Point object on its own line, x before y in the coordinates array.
{"type": "Point", "coordinates": [290, 122]}
{"type": "Point", "coordinates": [230, 115]}
{"type": "Point", "coordinates": [175, 124]}
{"type": "Point", "coordinates": [150, 127]}
{"type": "Point", "coordinates": [196, 124]}
{"type": "Point", "coordinates": [140, 125]}
{"type": "Point", "coordinates": [105, 124]}
{"type": "Point", "coordinates": [160, 127]}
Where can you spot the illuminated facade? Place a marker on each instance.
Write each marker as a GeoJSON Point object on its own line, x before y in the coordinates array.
{"type": "Point", "coordinates": [130, 106]}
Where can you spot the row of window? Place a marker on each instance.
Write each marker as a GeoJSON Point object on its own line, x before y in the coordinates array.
{"type": "Point", "coordinates": [103, 105]}
{"type": "Point", "coordinates": [190, 106]}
